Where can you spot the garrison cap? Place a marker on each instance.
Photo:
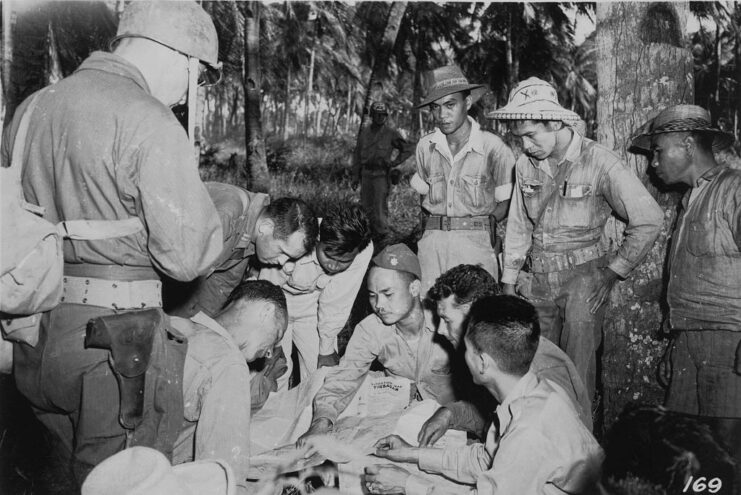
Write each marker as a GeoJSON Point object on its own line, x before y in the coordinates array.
{"type": "Point", "coordinates": [400, 258]}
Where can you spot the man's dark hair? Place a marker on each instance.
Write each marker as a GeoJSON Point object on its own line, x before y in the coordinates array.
{"type": "Point", "coordinates": [704, 140]}
{"type": "Point", "coordinates": [507, 329]}
{"type": "Point", "coordinates": [344, 228]}
{"type": "Point", "coordinates": [292, 215]}
{"type": "Point", "coordinates": [260, 290]}
{"type": "Point", "coordinates": [466, 282]}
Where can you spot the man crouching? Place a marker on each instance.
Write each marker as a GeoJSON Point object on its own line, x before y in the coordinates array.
{"type": "Point", "coordinates": [216, 379]}
{"type": "Point", "coordinates": [400, 334]}
{"type": "Point", "coordinates": [536, 445]}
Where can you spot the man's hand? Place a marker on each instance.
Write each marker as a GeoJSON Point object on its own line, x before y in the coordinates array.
{"type": "Point", "coordinates": [509, 290]}
{"type": "Point", "coordinates": [320, 426]}
{"type": "Point", "coordinates": [599, 297]}
{"type": "Point", "coordinates": [435, 427]}
{"type": "Point", "coordinates": [394, 448]}
{"type": "Point", "coordinates": [328, 360]}
{"type": "Point", "coordinates": [383, 479]}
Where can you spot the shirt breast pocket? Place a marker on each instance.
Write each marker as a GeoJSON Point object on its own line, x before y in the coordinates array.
{"type": "Point", "coordinates": [575, 205]}
{"type": "Point", "coordinates": [474, 189]}
{"type": "Point", "coordinates": [532, 196]}
{"type": "Point", "coordinates": [437, 189]}
{"type": "Point", "coordinates": [700, 239]}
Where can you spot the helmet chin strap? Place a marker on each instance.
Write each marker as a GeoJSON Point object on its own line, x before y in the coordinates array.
{"type": "Point", "coordinates": [193, 68]}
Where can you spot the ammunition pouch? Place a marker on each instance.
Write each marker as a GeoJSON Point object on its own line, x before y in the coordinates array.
{"type": "Point", "coordinates": [129, 337]}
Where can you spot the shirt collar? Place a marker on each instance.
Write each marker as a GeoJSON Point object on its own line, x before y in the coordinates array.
{"type": "Point", "coordinates": [475, 139]}
{"type": "Point", "coordinates": [710, 175]}
{"type": "Point", "coordinates": [114, 64]}
{"type": "Point", "coordinates": [572, 152]}
{"type": "Point", "coordinates": [528, 382]}
{"type": "Point", "coordinates": [203, 319]}
{"type": "Point", "coordinates": [429, 322]}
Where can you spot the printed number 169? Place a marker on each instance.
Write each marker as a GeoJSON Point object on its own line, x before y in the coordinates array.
{"type": "Point", "coordinates": [699, 485]}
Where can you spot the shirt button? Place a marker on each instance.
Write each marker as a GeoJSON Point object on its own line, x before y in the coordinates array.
{"type": "Point", "coordinates": [450, 205]}
{"type": "Point", "coordinates": [451, 182]}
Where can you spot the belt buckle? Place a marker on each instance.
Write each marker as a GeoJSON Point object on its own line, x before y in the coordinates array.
{"type": "Point", "coordinates": [571, 259]}
{"type": "Point", "coordinates": [445, 223]}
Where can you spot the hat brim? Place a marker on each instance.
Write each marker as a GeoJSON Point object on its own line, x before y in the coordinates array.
{"type": "Point", "coordinates": [641, 140]}
{"type": "Point", "coordinates": [535, 110]}
{"type": "Point", "coordinates": [477, 91]}
{"type": "Point", "coordinates": [206, 477]}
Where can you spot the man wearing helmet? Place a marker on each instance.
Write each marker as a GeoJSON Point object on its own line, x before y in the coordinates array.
{"type": "Point", "coordinates": [103, 144]}
{"type": "Point", "coordinates": [373, 164]}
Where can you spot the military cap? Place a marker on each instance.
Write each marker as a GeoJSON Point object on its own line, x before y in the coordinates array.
{"type": "Point", "coordinates": [400, 258]}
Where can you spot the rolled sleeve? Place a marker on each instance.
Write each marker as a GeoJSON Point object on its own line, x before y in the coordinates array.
{"type": "Point", "coordinates": [628, 197]}
{"type": "Point", "coordinates": [343, 381]}
{"type": "Point", "coordinates": [185, 234]}
{"type": "Point", "coordinates": [466, 417]}
{"type": "Point", "coordinates": [223, 428]}
{"type": "Point", "coordinates": [518, 237]}
{"type": "Point", "coordinates": [337, 298]}
{"type": "Point", "coordinates": [501, 167]}
{"type": "Point", "coordinates": [464, 464]}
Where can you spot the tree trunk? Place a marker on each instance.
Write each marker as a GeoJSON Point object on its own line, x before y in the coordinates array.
{"type": "Point", "coordinates": [307, 98]}
{"type": "Point", "coordinates": [7, 65]}
{"type": "Point", "coordinates": [637, 77]}
{"type": "Point", "coordinates": [349, 104]}
{"type": "Point", "coordinates": [256, 163]}
{"type": "Point", "coordinates": [380, 64]}
{"type": "Point", "coordinates": [509, 50]}
{"type": "Point", "coordinates": [286, 105]}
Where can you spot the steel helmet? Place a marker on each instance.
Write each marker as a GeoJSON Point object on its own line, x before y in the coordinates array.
{"type": "Point", "coordinates": [182, 26]}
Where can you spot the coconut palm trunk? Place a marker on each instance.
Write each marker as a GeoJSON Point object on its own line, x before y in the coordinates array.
{"type": "Point", "coordinates": [637, 77]}
{"type": "Point", "coordinates": [256, 163]}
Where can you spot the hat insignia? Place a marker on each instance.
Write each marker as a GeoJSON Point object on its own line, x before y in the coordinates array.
{"type": "Point", "coordinates": [393, 260]}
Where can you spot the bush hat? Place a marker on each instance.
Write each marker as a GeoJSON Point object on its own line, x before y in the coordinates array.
{"type": "Point", "coordinates": [145, 471]}
{"type": "Point", "coordinates": [379, 108]}
{"type": "Point", "coordinates": [400, 258]}
{"type": "Point", "coordinates": [534, 99]}
{"type": "Point", "coordinates": [448, 80]}
{"type": "Point", "coordinates": [680, 118]}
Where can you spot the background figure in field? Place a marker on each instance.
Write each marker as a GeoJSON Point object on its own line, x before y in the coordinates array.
{"type": "Point", "coordinates": [373, 166]}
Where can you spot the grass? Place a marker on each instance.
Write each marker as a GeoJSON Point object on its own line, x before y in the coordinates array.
{"type": "Point", "coordinates": [317, 170]}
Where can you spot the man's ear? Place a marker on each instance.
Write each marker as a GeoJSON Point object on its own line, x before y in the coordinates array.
{"type": "Point", "coordinates": [415, 288]}
{"type": "Point", "coordinates": [469, 102]}
{"type": "Point", "coordinates": [265, 226]}
{"type": "Point", "coordinates": [465, 307]}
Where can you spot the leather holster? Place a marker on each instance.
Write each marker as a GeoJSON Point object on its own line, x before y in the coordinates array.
{"type": "Point", "coordinates": [129, 337]}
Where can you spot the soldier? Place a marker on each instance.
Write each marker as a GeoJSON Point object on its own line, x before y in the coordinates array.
{"type": "Point", "coordinates": [399, 333]}
{"type": "Point", "coordinates": [216, 379]}
{"type": "Point", "coordinates": [321, 287]}
{"type": "Point", "coordinates": [104, 144]}
{"type": "Point", "coordinates": [466, 176]}
{"type": "Point", "coordinates": [567, 188]}
{"type": "Point", "coordinates": [704, 272]}
{"type": "Point", "coordinates": [536, 445]}
{"type": "Point", "coordinates": [372, 164]}
{"type": "Point", "coordinates": [256, 232]}
{"type": "Point", "coordinates": [454, 293]}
